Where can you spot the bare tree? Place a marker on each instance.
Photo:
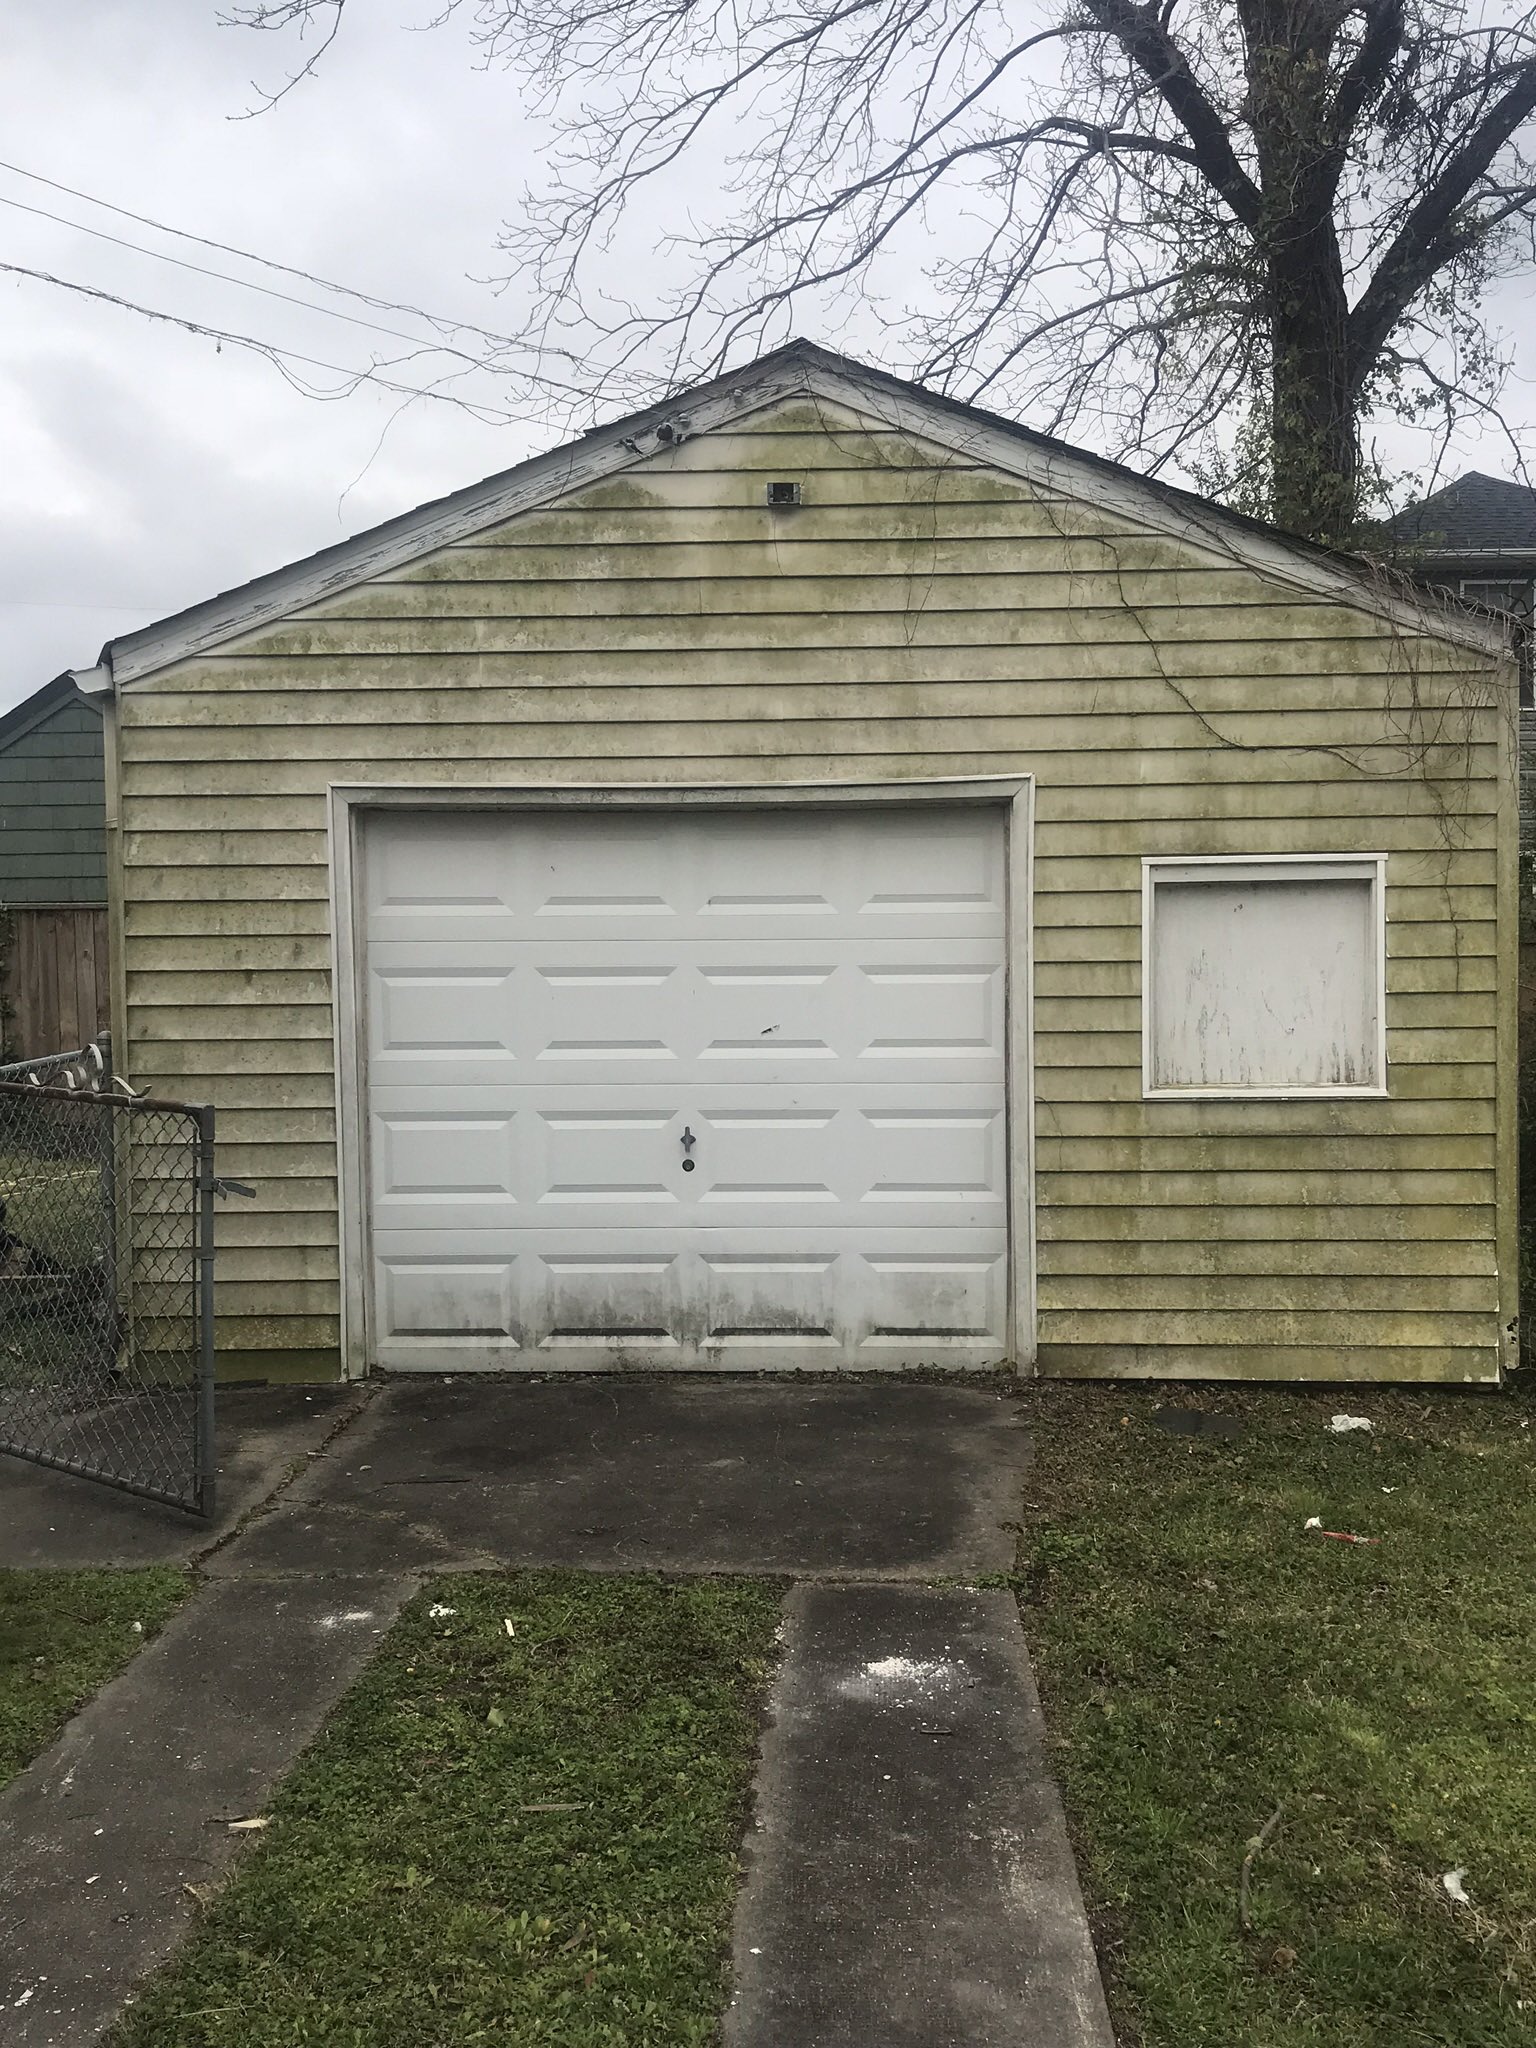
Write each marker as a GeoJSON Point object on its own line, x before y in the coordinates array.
{"type": "Point", "coordinates": [1218, 232]}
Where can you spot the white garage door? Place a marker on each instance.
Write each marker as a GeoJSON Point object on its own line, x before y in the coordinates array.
{"type": "Point", "coordinates": [688, 1088]}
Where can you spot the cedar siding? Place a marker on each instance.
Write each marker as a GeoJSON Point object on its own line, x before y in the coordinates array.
{"type": "Point", "coordinates": [921, 615]}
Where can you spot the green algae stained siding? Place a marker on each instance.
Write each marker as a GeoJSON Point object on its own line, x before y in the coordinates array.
{"type": "Point", "coordinates": [920, 615]}
{"type": "Point", "coordinates": [53, 809]}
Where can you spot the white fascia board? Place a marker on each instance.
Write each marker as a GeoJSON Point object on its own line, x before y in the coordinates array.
{"type": "Point", "coordinates": [94, 682]}
{"type": "Point", "coordinates": [608, 452]}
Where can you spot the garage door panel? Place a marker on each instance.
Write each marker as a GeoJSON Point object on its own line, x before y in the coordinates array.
{"type": "Point", "coordinates": [634, 1301]}
{"type": "Point", "coordinates": [453, 1297]}
{"type": "Point", "coordinates": [429, 1014]}
{"type": "Point", "coordinates": [437, 1155]}
{"type": "Point", "coordinates": [700, 874]}
{"type": "Point", "coordinates": [814, 1002]}
{"type": "Point", "coordinates": [947, 1164]}
{"type": "Point", "coordinates": [955, 1299]}
{"type": "Point", "coordinates": [436, 1003]}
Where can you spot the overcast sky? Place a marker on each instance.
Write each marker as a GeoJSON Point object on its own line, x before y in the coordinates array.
{"type": "Point", "coordinates": [142, 468]}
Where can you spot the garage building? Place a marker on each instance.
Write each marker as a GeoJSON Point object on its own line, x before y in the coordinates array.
{"type": "Point", "coordinates": [818, 876]}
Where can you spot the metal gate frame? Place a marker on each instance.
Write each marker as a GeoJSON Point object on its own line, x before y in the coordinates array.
{"type": "Point", "coordinates": [124, 1386]}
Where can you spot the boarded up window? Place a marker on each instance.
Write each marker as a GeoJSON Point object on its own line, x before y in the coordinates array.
{"type": "Point", "coordinates": [1263, 977]}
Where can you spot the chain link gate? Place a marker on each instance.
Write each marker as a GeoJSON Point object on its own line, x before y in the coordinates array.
{"type": "Point", "coordinates": [106, 1280]}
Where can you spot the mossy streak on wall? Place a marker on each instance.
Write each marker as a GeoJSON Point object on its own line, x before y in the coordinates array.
{"type": "Point", "coordinates": [918, 616]}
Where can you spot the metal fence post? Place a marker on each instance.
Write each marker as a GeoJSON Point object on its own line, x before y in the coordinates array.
{"type": "Point", "coordinates": [207, 1482]}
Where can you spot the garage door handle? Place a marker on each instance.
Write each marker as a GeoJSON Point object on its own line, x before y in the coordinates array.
{"type": "Point", "coordinates": [688, 1140]}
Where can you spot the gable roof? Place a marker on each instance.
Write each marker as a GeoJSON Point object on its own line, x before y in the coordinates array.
{"type": "Point", "coordinates": [1476, 515]}
{"type": "Point", "coordinates": [801, 369]}
{"type": "Point", "coordinates": [37, 709]}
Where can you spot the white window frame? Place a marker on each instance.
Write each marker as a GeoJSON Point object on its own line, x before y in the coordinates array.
{"type": "Point", "coordinates": [1352, 867]}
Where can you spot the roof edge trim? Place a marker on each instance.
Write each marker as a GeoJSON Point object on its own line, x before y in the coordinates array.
{"type": "Point", "coordinates": [800, 369]}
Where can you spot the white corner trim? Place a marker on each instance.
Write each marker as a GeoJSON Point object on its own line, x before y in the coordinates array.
{"type": "Point", "coordinates": [349, 1022]}
{"type": "Point", "coordinates": [1023, 1235]}
{"type": "Point", "coordinates": [610, 451]}
{"type": "Point", "coordinates": [1321, 867]}
{"type": "Point", "coordinates": [348, 804]}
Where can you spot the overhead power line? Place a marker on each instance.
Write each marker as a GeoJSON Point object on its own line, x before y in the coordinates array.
{"type": "Point", "coordinates": [274, 352]}
{"type": "Point", "coordinates": [442, 322]}
{"type": "Point", "coordinates": [246, 284]}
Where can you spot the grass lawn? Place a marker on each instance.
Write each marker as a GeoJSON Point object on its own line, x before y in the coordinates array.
{"type": "Point", "coordinates": [1205, 1660]}
{"type": "Point", "coordinates": [505, 1834]}
{"type": "Point", "coordinates": [62, 1636]}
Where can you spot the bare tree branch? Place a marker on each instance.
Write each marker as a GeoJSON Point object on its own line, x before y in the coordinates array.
{"type": "Point", "coordinates": [1418, 252]}
{"type": "Point", "coordinates": [1141, 32]}
{"type": "Point", "coordinates": [1215, 233]}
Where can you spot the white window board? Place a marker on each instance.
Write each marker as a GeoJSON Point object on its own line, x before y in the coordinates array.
{"type": "Point", "coordinates": [1264, 977]}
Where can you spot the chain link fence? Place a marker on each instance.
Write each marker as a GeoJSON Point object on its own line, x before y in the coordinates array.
{"type": "Point", "coordinates": [106, 1246]}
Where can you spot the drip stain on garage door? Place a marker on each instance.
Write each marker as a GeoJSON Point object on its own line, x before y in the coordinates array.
{"type": "Point", "coordinates": [696, 1088]}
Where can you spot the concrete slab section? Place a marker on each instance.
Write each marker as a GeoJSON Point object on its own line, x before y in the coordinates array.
{"type": "Point", "coordinates": [867, 1479]}
{"type": "Point", "coordinates": [909, 1879]}
{"type": "Point", "coordinates": [104, 1833]}
{"type": "Point", "coordinates": [55, 1519]}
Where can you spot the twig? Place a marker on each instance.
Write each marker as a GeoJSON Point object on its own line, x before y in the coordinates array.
{"type": "Point", "coordinates": [1255, 1844]}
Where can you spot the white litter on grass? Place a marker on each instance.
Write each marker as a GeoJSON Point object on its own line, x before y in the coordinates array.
{"type": "Point", "coordinates": [1313, 1522]}
{"type": "Point", "coordinates": [1454, 1887]}
{"type": "Point", "coordinates": [438, 1612]}
{"type": "Point", "coordinates": [1341, 1425]}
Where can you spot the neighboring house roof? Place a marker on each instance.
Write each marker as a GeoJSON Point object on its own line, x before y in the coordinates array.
{"type": "Point", "coordinates": [1477, 518]}
{"type": "Point", "coordinates": [22, 718]}
{"type": "Point", "coordinates": [800, 369]}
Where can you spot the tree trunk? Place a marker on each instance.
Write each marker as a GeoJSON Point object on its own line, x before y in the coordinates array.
{"type": "Point", "coordinates": [1313, 401]}
{"type": "Point", "coordinates": [1313, 410]}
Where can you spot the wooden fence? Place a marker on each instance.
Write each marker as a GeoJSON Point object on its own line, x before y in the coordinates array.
{"type": "Point", "coordinates": [55, 980]}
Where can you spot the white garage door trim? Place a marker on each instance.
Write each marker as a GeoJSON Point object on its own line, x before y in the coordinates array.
{"type": "Point", "coordinates": [351, 804]}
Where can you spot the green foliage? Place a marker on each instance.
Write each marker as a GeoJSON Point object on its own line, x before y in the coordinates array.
{"type": "Point", "coordinates": [1205, 1659]}
{"type": "Point", "coordinates": [62, 1636]}
{"type": "Point", "coordinates": [511, 1837]}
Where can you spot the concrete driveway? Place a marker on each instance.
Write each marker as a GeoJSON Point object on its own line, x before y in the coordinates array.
{"type": "Point", "coordinates": [852, 1478]}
